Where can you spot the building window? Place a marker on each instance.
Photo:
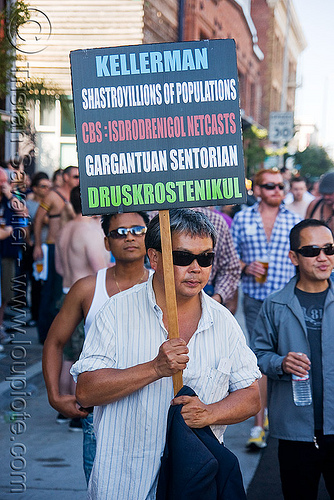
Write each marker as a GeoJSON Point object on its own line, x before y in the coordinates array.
{"type": "Point", "coordinates": [47, 114]}
{"type": "Point", "coordinates": [67, 120]}
{"type": "Point", "coordinates": [252, 100]}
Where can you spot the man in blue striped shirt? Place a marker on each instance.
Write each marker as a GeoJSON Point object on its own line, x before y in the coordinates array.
{"type": "Point", "coordinates": [261, 234]}
{"type": "Point", "coordinates": [127, 363]}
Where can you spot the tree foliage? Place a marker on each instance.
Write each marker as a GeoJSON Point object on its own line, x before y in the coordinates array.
{"type": "Point", "coordinates": [10, 21]}
{"type": "Point", "coordinates": [254, 152]}
{"type": "Point", "coordinates": [313, 161]}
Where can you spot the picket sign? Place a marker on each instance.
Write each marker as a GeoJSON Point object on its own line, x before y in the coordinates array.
{"type": "Point", "coordinates": [167, 259]}
{"type": "Point", "coordinates": [158, 127]}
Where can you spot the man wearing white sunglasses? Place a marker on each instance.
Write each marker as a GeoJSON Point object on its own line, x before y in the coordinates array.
{"type": "Point", "coordinates": [124, 237]}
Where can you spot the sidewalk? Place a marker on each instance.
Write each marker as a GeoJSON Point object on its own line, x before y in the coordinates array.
{"type": "Point", "coordinates": [42, 456]}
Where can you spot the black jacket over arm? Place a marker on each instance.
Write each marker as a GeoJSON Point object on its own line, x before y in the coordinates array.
{"type": "Point", "coordinates": [195, 466]}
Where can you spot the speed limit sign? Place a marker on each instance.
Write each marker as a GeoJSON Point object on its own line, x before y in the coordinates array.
{"type": "Point", "coordinates": [281, 126]}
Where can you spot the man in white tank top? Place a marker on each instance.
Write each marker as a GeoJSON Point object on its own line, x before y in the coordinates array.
{"type": "Point", "coordinates": [124, 237]}
{"type": "Point", "coordinates": [80, 251]}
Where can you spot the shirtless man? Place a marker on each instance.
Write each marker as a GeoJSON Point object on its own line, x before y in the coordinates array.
{"type": "Point", "coordinates": [300, 197]}
{"type": "Point", "coordinates": [80, 249]}
{"type": "Point", "coordinates": [53, 204]}
{"type": "Point", "coordinates": [84, 300]}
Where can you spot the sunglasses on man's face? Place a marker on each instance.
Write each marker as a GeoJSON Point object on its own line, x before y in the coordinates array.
{"type": "Point", "coordinates": [122, 232]}
{"type": "Point", "coordinates": [204, 259]}
{"type": "Point", "coordinates": [270, 186]}
{"type": "Point", "coordinates": [314, 250]}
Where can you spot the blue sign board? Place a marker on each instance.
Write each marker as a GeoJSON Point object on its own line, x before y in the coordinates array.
{"type": "Point", "coordinates": [158, 126]}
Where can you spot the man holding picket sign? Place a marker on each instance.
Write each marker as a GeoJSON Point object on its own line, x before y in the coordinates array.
{"type": "Point", "coordinates": [128, 360]}
{"type": "Point", "coordinates": [189, 154]}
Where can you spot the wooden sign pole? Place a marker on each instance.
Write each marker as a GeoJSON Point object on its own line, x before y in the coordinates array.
{"type": "Point", "coordinates": [167, 259]}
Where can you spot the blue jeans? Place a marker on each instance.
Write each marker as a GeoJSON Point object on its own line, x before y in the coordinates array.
{"type": "Point", "coordinates": [89, 445]}
{"type": "Point", "coordinates": [251, 310]}
{"type": "Point", "coordinates": [50, 295]}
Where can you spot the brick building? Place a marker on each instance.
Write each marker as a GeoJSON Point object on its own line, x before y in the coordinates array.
{"type": "Point", "coordinates": [231, 19]}
{"type": "Point", "coordinates": [275, 22]}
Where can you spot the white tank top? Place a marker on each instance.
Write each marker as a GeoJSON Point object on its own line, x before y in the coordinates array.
{"type": "Point", "coordinates": [100, 297]}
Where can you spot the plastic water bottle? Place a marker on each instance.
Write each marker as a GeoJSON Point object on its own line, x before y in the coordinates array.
{"type": "Point", "coordinates": [301, 389]}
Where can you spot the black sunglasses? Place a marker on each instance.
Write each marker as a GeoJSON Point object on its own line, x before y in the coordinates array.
{"type": "Point", "coordinates": [122, 232]}
{"type": "Point", "coordinates": [270, 186]}
{"type": "Point", "coordinates": [204, 259]}
{"type": "Point", "coordinates": [314, 250]}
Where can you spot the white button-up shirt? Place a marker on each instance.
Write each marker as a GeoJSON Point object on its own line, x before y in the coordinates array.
{"type": "Point", "coordinates": [130, 433]}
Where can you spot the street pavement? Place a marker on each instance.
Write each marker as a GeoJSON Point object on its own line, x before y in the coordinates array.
{"type": "Point", "coordinates": [41, 459]}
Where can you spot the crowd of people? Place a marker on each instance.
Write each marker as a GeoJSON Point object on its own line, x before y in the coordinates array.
{"type": "Point", "coordinates": [98, 301]}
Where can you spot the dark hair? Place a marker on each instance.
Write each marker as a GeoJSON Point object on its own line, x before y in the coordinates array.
{"type": "Point", "coordinates": [296, 230]}
{"type": "Point", "coordinates": [326, 184]}
{"type": "Point", "coordinates": [68, 170]}
{"type": "Point", "coordinates": [56, 173]}
{"type": "Point", "coordinates": [105, 220]}
{"type": "Point", "coordinates": [75, 199]}
{"type": "Point", "coordinates": [38, 176]}
{"type": "Point", "coordinates": [297, 179]}
{"type": "Point", "coordinates": [182, 220]}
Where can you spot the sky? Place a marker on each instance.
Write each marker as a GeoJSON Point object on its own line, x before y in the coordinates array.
{"type": "Point", "coordinates": [315, 96]}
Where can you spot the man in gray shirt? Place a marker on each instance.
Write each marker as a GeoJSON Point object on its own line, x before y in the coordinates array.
{"type": "Point", "coordinates": [294, 335]}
